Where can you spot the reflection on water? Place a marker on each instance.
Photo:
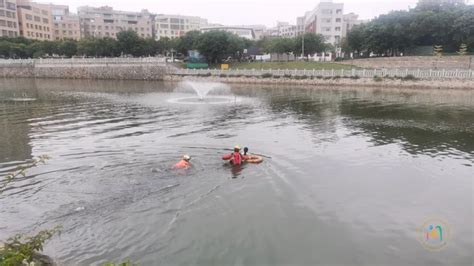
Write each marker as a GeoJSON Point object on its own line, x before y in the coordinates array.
{"type": "Point", "coordinates": [349, 174]}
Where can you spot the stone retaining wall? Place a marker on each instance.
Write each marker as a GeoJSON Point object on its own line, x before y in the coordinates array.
{"type": "Point", "coordinates": [342, 82]}
{"type": "Point", "coordinates": [91, 71]}
{"type": "Point", "coordinates": [428, 62]}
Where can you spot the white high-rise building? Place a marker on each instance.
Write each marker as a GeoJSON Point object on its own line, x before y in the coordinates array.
{"type": "Point", "coordinates": [326, 19]}
{"type": "Point", "coordinates": [8, 18]}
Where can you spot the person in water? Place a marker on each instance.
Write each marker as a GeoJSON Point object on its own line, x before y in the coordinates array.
{"type": "Point", "coordinates": [234, 158]}
{"type": "Point", "coordinates": [184, 163]}
{"type": "Point", "coordinates": [249, 158]}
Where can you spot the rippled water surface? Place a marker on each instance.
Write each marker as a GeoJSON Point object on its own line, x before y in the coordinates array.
{"type": "Point", "coordinates": [349, 174]}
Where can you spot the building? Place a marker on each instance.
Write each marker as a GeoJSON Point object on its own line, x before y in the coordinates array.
{"type": "Point", "coordinates": [106, 22]}
{"type": "Point", "coordinates": [287, 31]}
{"type": "Point", "coordinates": [350, 20]}
{"type": "Point", "coordinates": [8, 18]}
{"type": "Point", "coordinates": [326, 19]}
{"type": "Point", "coordinates": [65, 24]}
{"type": "Point", "coordinates": [35, 20]}
{"type": "Point", "coordinates": [299, 25]}
{"type": "Point", "coordinates": [244, 32]}
{"type": "Point", "coordinates": [173, 26]}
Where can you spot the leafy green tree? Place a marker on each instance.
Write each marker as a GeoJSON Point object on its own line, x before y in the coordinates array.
{"type": "Point", "coordinates": [68, 48]}
{"type": "Point", "coordinates": [188, 42]}
{"type": "Point", "coordinates": [281, 45]}
{"type": "Point", "coordinates": [130, 43]}
{"type": "Point", "coordinates": [313, 43]}
{"type": "Point", "coordinates": [217, 45]}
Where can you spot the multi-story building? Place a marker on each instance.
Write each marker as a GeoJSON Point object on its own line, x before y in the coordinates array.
{"type": "Point", "coordinates": [350, 20]}
{"type": "Point", "coordinates": [34, 20]}
{"type": "Point", "coordinates": [8, 18]}
{"type": "Point", "coordinates": [244, 32]}
{"type": "Point", "coordinates": [326, 19]}
{"type": "Point", "coordinates": [299, 25]}
{"type": "Point", "coordinates": [173, 26]}
{"type": "Point", "coordinates": [106, 22]}
{"type": "Point", "coordinates": [287, 31]}
{"type": "Point", "coordinates": [65, 24]}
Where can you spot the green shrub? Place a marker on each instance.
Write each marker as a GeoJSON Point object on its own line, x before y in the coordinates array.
{"type": "Point", "coordinates": [327, 78]}
{"type": "Point", "coordinates": [336, 77]}
{"type": "Point", "coordinates": [267, 75]}
{"type": "Point", "coordinates": [288, 76]}
{"type": "Point", "coordinates": [377, 78]}
{"type": "Point", "coordinates": [409, 77]}
{"type": "Point", "coordinates": [204, 75]}
{"type": "Point", "coordinates": [21, 247]}
{"type": "Point", "coordinates": [355, 77]}
{"type": "Point", "coordinates": [276, 76]}
{"type": "Point", "coordinates": [319, 77]}
{"type": "Point", "coordinates": [223, 75]}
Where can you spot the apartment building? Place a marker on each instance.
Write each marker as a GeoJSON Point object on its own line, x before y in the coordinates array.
{"type": "Point", "coordinates": [243, 32]}
{"type": "Point", "coordinates": [34, 20]}
{"type": "Point", "coordinates": [8, 18]}
{"type": "Point", "coordinates": [106, 22]}
{"type": "Point", "coordinates": [174, 26]}
{"type": "Point", "coordinates": [326, 19]}
{"type": "Point", "coordinates": [65, 24]}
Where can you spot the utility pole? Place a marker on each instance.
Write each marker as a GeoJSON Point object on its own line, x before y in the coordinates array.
{"type": "Point", "coordinates": [302, 46]}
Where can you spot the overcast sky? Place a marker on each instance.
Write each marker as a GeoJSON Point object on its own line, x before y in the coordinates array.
{"type": "Point", "coordinates": [238, 12]}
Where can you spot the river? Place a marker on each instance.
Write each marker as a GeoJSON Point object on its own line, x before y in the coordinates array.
{"type": "Point", "coordinates": [349, 178]}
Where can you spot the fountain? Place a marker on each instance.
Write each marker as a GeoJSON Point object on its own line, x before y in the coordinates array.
{"type": "Point", "coordinates": [220, 93]}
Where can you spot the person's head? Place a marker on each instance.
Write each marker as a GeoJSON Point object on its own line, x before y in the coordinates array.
{"type": "Point", "coordinates": [246, 150]}
{"type": "Point", "coordinates": [236, 148]}
{"type": "Point", "coordinates": [187, 158]}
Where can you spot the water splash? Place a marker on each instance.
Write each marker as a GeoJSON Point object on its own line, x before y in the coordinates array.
{"type": "Point", "coordinates": [202, 89]}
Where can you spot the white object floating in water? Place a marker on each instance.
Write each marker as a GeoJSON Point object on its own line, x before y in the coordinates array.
{"type": "Point", "coordinates": [22, 99]}
{"type": "Point", "coordinates": [78, 209]}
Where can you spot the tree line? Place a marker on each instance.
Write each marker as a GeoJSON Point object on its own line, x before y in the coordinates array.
{"type": "Point", "coordinates": [215, 46]}
{"type": "Point", "coordinates": [446, 24]}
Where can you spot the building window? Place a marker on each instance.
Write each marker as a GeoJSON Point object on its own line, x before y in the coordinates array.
{"type": "Point", "coordinates": [339, 11]}
{"type": "Point", "coordinates": [338, 20]}
{"type": "Point", "coordinates": [338, 28]}
{"type": "Point", "coordinates": [45, 21]}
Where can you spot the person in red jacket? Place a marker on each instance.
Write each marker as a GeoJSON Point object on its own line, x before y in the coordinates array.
{"type": "Point", "coordinates": [184, 163]}
{"type": "Point", "coordinates": [234, 158]}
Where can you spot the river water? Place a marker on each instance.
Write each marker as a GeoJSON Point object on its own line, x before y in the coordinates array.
{"type": "Point", "coordinates": [349, 177]}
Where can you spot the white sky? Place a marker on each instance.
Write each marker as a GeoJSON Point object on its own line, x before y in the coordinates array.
{"type": "Point", "coordinates": [243, 12]}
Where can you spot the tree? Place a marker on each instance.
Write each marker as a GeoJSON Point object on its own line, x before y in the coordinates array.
{"type": "Point", "coordinates": [188, 42]}
{"type": "Point", "coordinates": [217, 45]}
{"type": "Point", "coordinates": [68, 48]}
{"type": "Point", "coordinates": [281, 45]}
{"type": "Point", "coordinates": [313, 43]}
{"type": "Point", "coordinates": [130, 43]}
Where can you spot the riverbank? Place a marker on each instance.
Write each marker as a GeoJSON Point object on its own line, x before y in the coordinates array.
{"type": "Point", "coordinates": [337, 82]}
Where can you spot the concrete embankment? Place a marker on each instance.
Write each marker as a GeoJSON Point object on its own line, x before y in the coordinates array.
{"type": "Point", "coordinates": [86, 71]}
{"type": "Point", "coordinates": [339, 82]}
{"type": "Point", "coordinates": [424, 62]}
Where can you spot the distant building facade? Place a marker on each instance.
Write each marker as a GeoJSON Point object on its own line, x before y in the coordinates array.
{"type": "Point", "coordinates": [8, 18]}
{"type": "Point", "coordinates": [326, 19]}
{"type": "Point", "coordinates": [174, 26]}
{"type": "Point", "coordinates": [106, 22]}
{"type": "Point", "coordinates": [65, 24]}
{"type": "Point", "coordinates": [34, 20]}
{"type": "Point", "coordinates": [244, 32]}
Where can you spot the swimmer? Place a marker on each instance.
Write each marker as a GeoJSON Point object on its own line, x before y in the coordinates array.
{"type": "Point", "coordinates": [234, 158]}
{"type": "Point", "coordinates": [248, 158]}
{"type": "Point", "coordinates": [184, 163]}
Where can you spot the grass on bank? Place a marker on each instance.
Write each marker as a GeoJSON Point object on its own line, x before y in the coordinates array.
{"type": "Point", "coordinates": [290, 65]}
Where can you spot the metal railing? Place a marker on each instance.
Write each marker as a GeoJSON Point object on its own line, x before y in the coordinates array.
{"type": "Point", "coordinates": [81, 61]}
{"type": "Point", "coordinates": [331, 73]}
